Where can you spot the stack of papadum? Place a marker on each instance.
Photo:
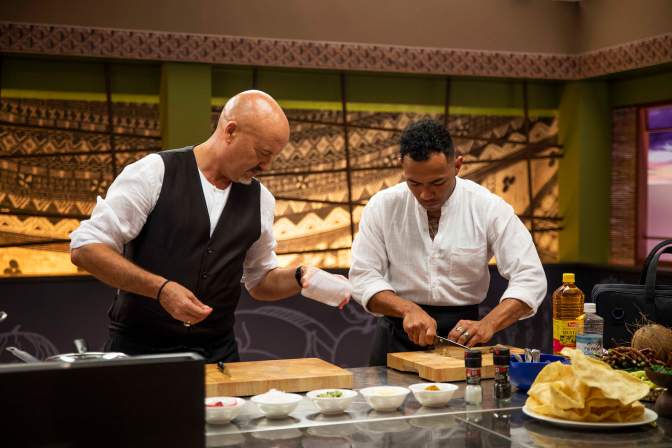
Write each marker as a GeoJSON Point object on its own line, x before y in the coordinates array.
{"type": "Point", "coordinates": [588, 390]}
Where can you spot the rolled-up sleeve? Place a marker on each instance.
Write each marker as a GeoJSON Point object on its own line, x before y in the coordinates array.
{"type": "Point", "coordinates": [517, 257]}
{"type": "Point", "coordinates": [119, 217]}
{"type": "Point", "coordinates": [369, 266]}
{"type": "Point", "coordinates": [261, 257]}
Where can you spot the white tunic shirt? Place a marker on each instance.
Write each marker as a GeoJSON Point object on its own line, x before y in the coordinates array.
{"type": "Point", "coordinates": [393, 249]}
{"type": "Point", "coordinates": [119, 218]}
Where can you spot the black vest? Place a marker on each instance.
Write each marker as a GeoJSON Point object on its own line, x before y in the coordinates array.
{"type": "Point", "coordinates": [175, 243]}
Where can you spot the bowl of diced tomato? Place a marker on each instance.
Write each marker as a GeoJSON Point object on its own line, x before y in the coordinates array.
{"type": "Point", "coordinates": [221, 410]}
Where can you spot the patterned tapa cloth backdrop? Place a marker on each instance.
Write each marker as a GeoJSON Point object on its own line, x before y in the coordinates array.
{"type": "Point", "coordinates": [313, 212]}
{"type": "Point", "coordinates": [59, 155]}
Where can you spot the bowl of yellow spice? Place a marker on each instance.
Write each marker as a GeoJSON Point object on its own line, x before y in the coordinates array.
{"type": "Point", "coordinates": [433, 394]}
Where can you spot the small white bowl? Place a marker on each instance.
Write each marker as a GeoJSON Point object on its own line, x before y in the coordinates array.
{"type": "Point", "coordinates": [277, 404]}
{"type": "Point", "coordinates": [332, 405]}
{"type": "Point", "coordinates": [433, 398]}
{"type": "Point", "coordinates": [385, 398]}
{"type": "Point", "coordinates": [219, 415]}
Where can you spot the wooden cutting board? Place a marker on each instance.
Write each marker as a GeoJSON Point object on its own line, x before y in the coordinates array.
{"type": "Point", "coordinates": [437, 367]}
{"type": "Point", "coordinates": [289, 375]}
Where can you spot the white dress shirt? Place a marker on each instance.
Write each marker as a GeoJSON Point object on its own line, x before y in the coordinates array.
{"type": "Point", "coordinates": [393, 249]}
{"type": "Point", "coordinates": [119, 218]}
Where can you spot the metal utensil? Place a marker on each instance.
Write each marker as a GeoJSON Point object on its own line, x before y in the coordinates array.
{"type": "Point", "coordinates": [80, 345]}
{"type": "Point", "coordinates": [23, 356]}
{"type": "Point", "coordinates": [81, 355]}
{"type": "Point", "coordinates": [536, 355]}
{"type": "Point", "coordinates": [448, 341]}
{"type": "Point", "coordinates": [222, 368]}
{"type": "Point", "coordinates": [528, 355]}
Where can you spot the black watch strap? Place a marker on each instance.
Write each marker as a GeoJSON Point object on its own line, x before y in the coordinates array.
{"type": "Point", "coordinates": [298, 274]}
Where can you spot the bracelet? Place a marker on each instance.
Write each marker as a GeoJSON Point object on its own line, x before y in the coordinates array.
{"type": "Point", "coordinates": [298, 274]}
{"type": "Point", "coordinates": [158, 294]}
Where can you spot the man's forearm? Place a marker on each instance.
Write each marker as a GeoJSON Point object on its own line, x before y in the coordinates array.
{"type": "Point", "coordinates": [508, 312]}
{"type": "Point", "coordinates": [278, 284]}
{"type": "Point", "coordinates": [112, 268]}
{"type": "Point", "coordinates": [388, 303]}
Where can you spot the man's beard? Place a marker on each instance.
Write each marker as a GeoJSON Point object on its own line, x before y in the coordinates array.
{"type": "Point", "coordinates": [247, 180]}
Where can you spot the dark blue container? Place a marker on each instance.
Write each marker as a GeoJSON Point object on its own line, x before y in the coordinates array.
{"type": "Point", "coordinates": [523, 374]}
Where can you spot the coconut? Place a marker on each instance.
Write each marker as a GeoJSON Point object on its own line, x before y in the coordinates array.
{"type": "Point", "coordinates": [654, 337]}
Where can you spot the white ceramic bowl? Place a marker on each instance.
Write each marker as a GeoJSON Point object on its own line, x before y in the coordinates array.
{"type": "Point", "coordinates": [384, 398]}
{"type": "Point", "coordinates": [332, 405]}
{"type": "Point", "coordinates": [220, 415]}
{"type": "Point", "coordinates": [277, 405]}
{"type": "Point", "coordinates": [433, 398]}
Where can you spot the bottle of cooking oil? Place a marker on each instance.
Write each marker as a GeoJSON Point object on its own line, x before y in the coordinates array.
{"type": "Point", "coordinates": [567, 313]}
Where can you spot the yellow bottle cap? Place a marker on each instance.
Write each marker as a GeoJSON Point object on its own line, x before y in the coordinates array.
{"type": "Point", "coordinates": [567, 278]}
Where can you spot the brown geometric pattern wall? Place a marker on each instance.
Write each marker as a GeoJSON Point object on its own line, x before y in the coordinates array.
{"type": "Point", "coordinates": [237, 50]}
{"type": "Point", "coordinates": [310, 182]}
{"type": "Point", "coordinates": [58, 156]}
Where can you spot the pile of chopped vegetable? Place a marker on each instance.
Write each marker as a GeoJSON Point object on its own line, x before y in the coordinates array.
{"type": "Point", "coordinates": [331, 394]}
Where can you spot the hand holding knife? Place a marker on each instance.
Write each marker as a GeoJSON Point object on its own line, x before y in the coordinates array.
{"type": "Point", "coordinates": [448, 341]}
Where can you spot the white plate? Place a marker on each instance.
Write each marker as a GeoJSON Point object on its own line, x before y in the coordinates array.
{"type": "Point", "coordinates": [648, 417]}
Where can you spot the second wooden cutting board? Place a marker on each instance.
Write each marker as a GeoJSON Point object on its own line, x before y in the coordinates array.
{"type": "Point", "coordinates": [288, 375]}
{"type": "Point", "coordinates": [437, 367]}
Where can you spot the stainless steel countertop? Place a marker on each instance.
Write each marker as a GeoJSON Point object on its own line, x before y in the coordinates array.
{"type": "Point", "coordinates": [490, 424]}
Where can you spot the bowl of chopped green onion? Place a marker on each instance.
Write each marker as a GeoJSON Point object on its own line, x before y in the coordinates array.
{"type": "Point", "coordinates": [332, 401]}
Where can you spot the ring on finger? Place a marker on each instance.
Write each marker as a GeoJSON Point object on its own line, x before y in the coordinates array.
{"type": "Point", "coordinates": [459, 329]}
{"type": "Point", "coordinates": [466, 335]}
{"type": "Point", "coordinates": [186, 323]}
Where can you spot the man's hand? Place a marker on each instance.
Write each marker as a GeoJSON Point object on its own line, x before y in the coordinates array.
{"type": "Point", "coordinates": [182, 304]}
{"type": "Point", "coordinates": [472, 332]}
{"type": "Point", "coordinates": [324, 286]}
{"type": "Point", "coordinates": [419, 326]}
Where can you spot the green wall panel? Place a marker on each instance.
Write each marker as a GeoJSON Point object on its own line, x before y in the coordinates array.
{"type": "Point", "coordinates": [186, 90]}
{"type": "Point", "coordinates": [645, 89]}
{"type": "Point", "coordinates": [584, 177]}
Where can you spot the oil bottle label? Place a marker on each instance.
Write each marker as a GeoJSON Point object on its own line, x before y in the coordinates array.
{"type": "Point", "coordinates": [564, 334]}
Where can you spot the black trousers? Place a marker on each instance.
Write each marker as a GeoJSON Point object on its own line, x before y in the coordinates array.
{"type": "Point", "coordinates": [390, 336]}
{"type": "Point", "coordinates": [222, 348]}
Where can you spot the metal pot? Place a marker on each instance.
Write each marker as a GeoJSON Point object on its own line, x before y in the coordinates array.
{"type": "Point", "coordinates": [81, 355]}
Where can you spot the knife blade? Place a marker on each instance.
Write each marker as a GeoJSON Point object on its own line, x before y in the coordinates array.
{"type": "Point", "coordinates": [448, 341]}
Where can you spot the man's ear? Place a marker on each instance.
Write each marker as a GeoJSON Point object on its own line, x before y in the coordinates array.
{"type": "Point", "coordinates": [230, 131]}
{"type": "Point", "coordinates": [459, 160]}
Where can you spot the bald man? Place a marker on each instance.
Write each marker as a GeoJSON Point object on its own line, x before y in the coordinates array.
{"type": "Point", "coordinates": [178, 230]}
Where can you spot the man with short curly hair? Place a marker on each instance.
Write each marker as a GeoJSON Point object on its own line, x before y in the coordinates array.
{"type": "Point", "coordinates": [420, 259]}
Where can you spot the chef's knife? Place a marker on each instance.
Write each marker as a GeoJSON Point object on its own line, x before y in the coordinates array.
{"type": "Point", "coordinates": [448, 341]}
{"type": "Point", "coordinates": [222, 368]}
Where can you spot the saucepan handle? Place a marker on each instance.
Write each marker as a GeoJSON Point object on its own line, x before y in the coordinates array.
{"type": "Point", "coordinates": [23, 356]}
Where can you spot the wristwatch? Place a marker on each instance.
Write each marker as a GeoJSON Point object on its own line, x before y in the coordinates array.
{"type": "Point", "coordinates": [298, 274]}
